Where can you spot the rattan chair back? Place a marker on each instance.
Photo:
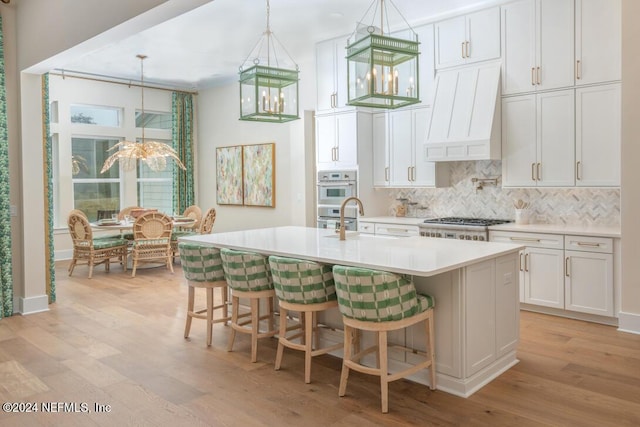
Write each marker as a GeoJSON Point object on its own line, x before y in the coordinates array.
{"type": "Point", "coordinates": [206, 226]}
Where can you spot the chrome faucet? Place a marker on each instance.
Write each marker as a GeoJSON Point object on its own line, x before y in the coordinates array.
{"type": "Point", "coordinates": [360, 209]}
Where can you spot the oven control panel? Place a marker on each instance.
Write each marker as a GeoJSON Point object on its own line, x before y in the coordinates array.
{"type": "Point", "coordinates": [454, 234]}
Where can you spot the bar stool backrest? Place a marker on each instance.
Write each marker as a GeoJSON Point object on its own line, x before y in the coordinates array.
{"type": "Point", "coordinates": [200, 263]}
{"type": "Point", "coordinates": [246, 271]}
{"type": "Point", "coordinates": [375, 296]}
{"type": "Point", "coordinates": [302, 282]}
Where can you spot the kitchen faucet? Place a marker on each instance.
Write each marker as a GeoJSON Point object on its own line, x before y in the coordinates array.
{"type": "Point", "coordinates": [360, 209]}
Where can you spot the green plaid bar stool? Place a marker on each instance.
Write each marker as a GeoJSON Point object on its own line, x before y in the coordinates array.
{"type": "Point", "coordinates": [378, 301]}
{"type": "Point", "coordinates": [248, 276]}
{"type": "Point", "coordinates": [202, 268]}
{"type": "Point", "coordinates": [305, 287]}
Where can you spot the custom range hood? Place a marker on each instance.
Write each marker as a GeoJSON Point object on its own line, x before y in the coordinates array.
{"type": "Point", "coordinates": [465, 120]}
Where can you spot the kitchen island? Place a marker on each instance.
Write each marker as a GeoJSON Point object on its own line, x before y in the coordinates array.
{"type": "Point", "coordinates": [475, 285]}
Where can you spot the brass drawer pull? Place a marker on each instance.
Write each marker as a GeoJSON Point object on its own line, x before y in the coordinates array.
{"type": "Point", "coordinates": [525, 239]}
{"type": "Point", "coordinates": [588, 244]}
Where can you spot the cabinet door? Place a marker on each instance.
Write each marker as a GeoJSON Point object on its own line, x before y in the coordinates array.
{"type": "Point", "coordinates": [380, 150]}
{"type": "Point", "coordinates": [341, 85]}
{"type": "Point", "coordinates": [400, 127]}
{"type": "Point", "coordinates": [347, 143]}
{"type": "Point", "coordinates": [519, 141]}
{"type": "Point", "coordinates": [555, 50]}
{"type": "Point", "coordinates": [589, 282]}
{"type": "Point", "coordinates": [326, 74]}
{"type": "Point", "coordinates": [325, 141]}
{"type": "Point", "coordinates": [425, 174]}
{"type": "Point", "coordinates": [598, 41]}
{"type": "Point", "coordinates": [427, 70]}
{"type": "Point", "coordinates": [544, 282]}
{"type": "Point", "coordinates": [556, 138]}
{"type": "Point", "coordinates": [508, 316]}
{"type": "Point", "coordinates": [518, 47]}
{"type": "Point", "coordinates": [598, 136]}
{"type": "Point", "coordinates": [483, 35]}
{"type": "Point", "coordinates": [450, 42]}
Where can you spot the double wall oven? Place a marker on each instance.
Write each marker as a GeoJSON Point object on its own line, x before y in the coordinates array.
{"type": "Point", "coordinates": [333, 188]}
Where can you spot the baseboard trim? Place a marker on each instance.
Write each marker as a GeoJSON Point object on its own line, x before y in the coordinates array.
{"type": "Point", "coordinates": [33, 305]}
{"type": "Point", "coordinates": [63, 255]}
{"type": "Point", "coordinates": [629, 322]}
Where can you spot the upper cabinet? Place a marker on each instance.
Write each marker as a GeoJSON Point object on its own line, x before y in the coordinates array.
{"type": "Point", "coordinates": [331, 74]}
{"type": "Point", "coordinates": [537, 45]}
{"type": "Point", "coordinates": [598, 41]}
{"type": "Point", "coordinates": [468, 38]}
{"type": "Point", "coordinates": [339, 136]}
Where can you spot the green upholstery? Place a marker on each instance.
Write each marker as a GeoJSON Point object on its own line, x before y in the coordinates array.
{"type": "Point", "coordinates": [108, 243]}
{"type": "Point", "coordinates": [246, 271]}
{"type": "Point", "coordinates": [301, 281]}
{"type": "Point", "coordinates": [200, 263]}
{"type": "Point", "coordinates": [377, 296]}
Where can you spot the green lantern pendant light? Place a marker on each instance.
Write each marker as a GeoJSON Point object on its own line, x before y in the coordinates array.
{"type": "Point", "coordinates": [382, 71]}
{"type": "Point", "coordinates": [268, 93]}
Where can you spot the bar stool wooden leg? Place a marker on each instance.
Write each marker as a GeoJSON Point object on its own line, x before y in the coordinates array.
{"type": "Point", "coordinates": [384, 372]}
{"type": "Point", "coordinates": [344, 376]}
{"type": "Point", "coordinates": [308, 345]}
{"type": "Point", "coordinates": [282, 333]}
{"type": "Point", "coordinates": [190, 302]}
{"type": "Point", "coordinates": [209, 315]}
{"type": "Point", "coordinates": [255, 324]}
{"type": "Point", "coordinates": [234, 321]}
{"type": "Point", "coordinates": [225, 303]}
{"type": "Point", "coordinates": [432, 355]}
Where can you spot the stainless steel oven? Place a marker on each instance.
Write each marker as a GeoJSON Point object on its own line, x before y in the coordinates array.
{"type": "Point", "coordinates": [459, 228]}
{"type": "Point", "coordinates": [333, 188]}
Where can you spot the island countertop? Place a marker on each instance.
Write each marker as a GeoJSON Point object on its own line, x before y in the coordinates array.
{"type": "Point", "coordinates": [420, 256]}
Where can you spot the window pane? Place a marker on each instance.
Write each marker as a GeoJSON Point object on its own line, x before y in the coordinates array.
{"type": "Point", "coordinates": [153, 120]}
{"type": "Point", "coordinates": [156, 195]}
{"type": "Point", "coordinates": [88, 156]}
{"type": "Point", "coordinates": [94, 115]}
{"type": "Point", "coordinates": [93, 196]}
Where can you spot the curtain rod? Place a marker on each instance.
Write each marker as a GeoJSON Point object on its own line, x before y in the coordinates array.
{"type": "Point", "coordinates": [124, 83]}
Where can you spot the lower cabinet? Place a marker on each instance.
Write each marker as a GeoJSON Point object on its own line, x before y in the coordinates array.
{"type": "Point", "coordinates": [564, 271]}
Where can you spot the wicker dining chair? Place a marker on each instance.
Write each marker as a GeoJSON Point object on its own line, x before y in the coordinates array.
{"type": "Point", "coordinates": [193, 212]}
{"type": "Point", "coordinates": [90, 251]}
{"type": "Point", "coordinates": [152, 240]}
{"type": "Point", "coordinates": [209, 218]}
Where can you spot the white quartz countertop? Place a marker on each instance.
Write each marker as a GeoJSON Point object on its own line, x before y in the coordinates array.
{"type": "Point", "coordinates": [393, 220]}
{"type": "Point", "coordinates": [420, 256]}
{"type": "Point", "coordinates": [596, 231]}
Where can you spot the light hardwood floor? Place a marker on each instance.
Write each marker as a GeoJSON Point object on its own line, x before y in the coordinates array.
{"type": "Point", "coordinates": [116, 340]}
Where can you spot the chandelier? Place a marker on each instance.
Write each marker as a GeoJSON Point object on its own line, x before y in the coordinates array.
{"type": "Point", "coordinates": [153, 153]}
{"type": "Point", "coordinates": [382, 71]}
{"type": "Point", "coordinates": [268, 93]}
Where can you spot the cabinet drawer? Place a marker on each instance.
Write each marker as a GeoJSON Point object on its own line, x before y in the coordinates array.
{"type": "Point", "coordinates": [397, 230]}
{"type": "Point", "coordinates": [589, 244]}
{"type": "Point", "coordinates": [532, 240]}
{"type": "Point", "coordinates": [366, 227]}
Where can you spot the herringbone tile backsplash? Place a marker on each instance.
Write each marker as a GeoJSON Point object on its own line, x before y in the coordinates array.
{"type": "Point", "coordinates": [575, 206]}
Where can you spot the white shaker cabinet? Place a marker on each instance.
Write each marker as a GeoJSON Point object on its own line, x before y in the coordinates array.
{"type": "Point", "coordinates": [338, 136]}
{"type": "Point", "coordinates": [598, 135]}
{"type": "Point", "coordinates": [538, 139]}
{"type": "Point", "coordinates": [398, 156]}
{"type": "Point", "coordinates": [468, 38]}
{"type": "Point", "coordinates": [331, 74]}
{"type": "Point", "coordinates": [598, 41]}
{"type": "Point", "coordinates": [589, 275]}
{"type": "Point", "coordinates": [537, 45]}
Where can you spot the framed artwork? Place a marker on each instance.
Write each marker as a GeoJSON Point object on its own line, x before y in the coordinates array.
{"type": "Point", "coordinates": [259, 175]}
{"type": "Point", "coordinates": [229, 175]}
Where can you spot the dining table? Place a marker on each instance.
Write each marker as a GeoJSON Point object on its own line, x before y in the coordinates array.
{"type": "Point", "coordinates": [126, 225]}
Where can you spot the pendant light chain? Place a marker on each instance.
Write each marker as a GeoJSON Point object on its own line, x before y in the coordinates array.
{"type": "Point", "coordinates": [142, 58]}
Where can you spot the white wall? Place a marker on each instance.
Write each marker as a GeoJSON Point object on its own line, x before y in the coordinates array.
{"type": "Point", "coordinates": [218, 126]}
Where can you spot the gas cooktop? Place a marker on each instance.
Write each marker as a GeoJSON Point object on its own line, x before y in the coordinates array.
{"type": "Point", "coordinates": [479, 222]}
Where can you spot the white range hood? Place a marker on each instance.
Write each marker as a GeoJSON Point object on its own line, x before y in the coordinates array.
{"type": "Point", "coordinates": [465, 120]}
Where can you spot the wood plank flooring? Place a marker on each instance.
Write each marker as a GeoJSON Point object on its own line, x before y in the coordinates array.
{"type": "Point", "coordinates": [116, 340]}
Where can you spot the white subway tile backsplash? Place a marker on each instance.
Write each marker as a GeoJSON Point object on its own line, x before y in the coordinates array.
{"type": "Point", "coordinates": [575, 206]}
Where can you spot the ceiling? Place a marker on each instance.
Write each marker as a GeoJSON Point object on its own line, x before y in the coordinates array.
{"type": "Point", "coordinates": [205, 46]}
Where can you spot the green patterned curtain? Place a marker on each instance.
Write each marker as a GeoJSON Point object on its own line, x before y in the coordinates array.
{"type": "Point", "coordinates": [182, 114]}
{"type": "Point", "coordinates": [6, 282]}
{"type": "Point", "coordinates": [47, 148]}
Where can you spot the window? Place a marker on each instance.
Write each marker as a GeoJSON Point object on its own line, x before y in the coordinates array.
{"type": "Point", "coordinates": [155, 189]}
{"type": "Point", "coordinates": [153, 120]}
{"type": "Point", "coordinates": [94, 115]}
{"type": "Point", "coordinates": [94, 193]}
